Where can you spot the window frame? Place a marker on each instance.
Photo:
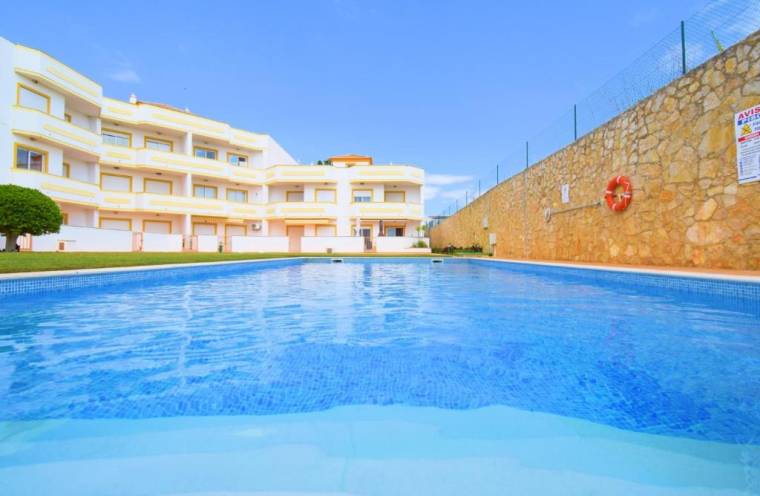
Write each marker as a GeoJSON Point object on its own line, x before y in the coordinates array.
{"type": "Point", "coordinates": [300, 191]}
{"type": "Point", "coordinates": [28, 148]}
{"type": "Point", "coordinates": [230, 154]}
{"type": "Point", "coordinates": [66, 169]}
{"type": "Point", "coordinates": [403, 196]}
{"type": "Point", "coordinates": [115, 175]}
{"type": "Point", "coordinates": [233, 190]}
{"type": "Point", "coordinates": [157, 221]}
{"type": "Point", "coordinates": [244, 226]}
{"type": "Point", "coordinates": [65, 221]}
{"type": "Point", "coordinates": [204, 224]}
{"type": "Point", "coordinates": [158, 140]}
{"type": "Point", "coordinates": [371, 195]}
{"type": "Point", "coordinates": [109, 130]}
{"type": "Point", "coordinates": [334, 198]}
{"type": "Point", "coordinates": [215, 188]}
{"type": "Point", "coordinates": [19, 86]}
{"type": "Point", "coordinates": [165, 181]}
{"type": "Point", "coordinates": [120, 219]}
{"type": "Point", "coordinates": [207, 149]}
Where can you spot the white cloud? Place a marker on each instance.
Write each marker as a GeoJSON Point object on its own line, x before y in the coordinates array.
{"type": "Point", "coordinates": [431, 192]}
{"type": "Point", "coordinates": [446, 179]}
{"type": "Point", "coordinates": [455, 194]}
{"type": "Point", "coordinates": [125, 75]}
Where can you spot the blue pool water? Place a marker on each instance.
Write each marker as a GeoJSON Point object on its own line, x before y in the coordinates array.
{"type": "Point", "coordinates": [301, 338]}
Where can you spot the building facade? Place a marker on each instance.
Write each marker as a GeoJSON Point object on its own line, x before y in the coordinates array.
{"type": "Point", "coordinates": [140, 176]}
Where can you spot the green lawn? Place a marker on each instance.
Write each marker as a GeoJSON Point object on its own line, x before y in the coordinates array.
{"type": "Point", "coordinates": [34, 262]}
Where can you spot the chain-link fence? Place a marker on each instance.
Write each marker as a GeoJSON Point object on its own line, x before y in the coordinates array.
{"type": "Point", "coordinates": [718, 26]}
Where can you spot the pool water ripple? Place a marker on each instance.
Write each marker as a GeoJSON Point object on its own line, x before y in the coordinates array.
{"type": "Point", "coordinates": [311, 336]}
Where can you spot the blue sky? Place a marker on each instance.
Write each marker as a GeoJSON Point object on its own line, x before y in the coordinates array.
{"type": "Point", "coordinates": [449, 86]}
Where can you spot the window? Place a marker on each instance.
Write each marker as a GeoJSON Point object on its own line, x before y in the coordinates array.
{"type": "Point", "coordinates": [234, 230]}
{"type": "Point", "coordinates": [33, 99]}
{"type": "Point", "coordinates": [325, 230]}
{"type": "Point", "coordinates": [237, 195]}
{"type": "Point", "coordinates": [362, 195]}
{"type": "Point", "coordinates": [115, 182]}
{"type": "Point", "coordinates": [157, 186]}
{"type": "Point", "coordinates": [204, 229]}
{"type": "Point", "coordinates": [112, 223]}
{"type": "Point", "coordinates": [159, 144]}
{"type": "Point", "coordinates": [65, 218]}
{"type": "Point", "coordinates": [395, 196]}
{"type": "Point", "coordinates": [294, 196]}
{"type": "Point", "coordinates": [237, 159]}
{"type": "Point", "coordinates": [325, 196]}
{"type": "Point", "coordinates": [201, 191]}
{"type": "Point", "coordinates": [394, 231]}
{"type": "Point", "coordinates": [201, 152]}
{"type": "Point", "coordinates": [66, 170]}
{"type": "Point", "coordinates": [157, 226]}
{"type": "Point", "coordinates": [31, 159]}
{"type": "Point", "coordinates": [67, 117]}
{"type": "Point", "coordinates": [116, 138]}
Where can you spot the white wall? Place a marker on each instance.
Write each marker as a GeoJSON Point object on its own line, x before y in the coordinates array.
{"type": "Point", "coordinates": [162, 242]}
{"type": "Point", "coordinates": [84, 239]}
{"type": "Point", "coordinates": [256, 244]}
{"type": "Point", "coordinates": [399, 244]}
{"type": "Point", "coordinates": [339, 244]}
{"type": "Point", "coordinates": [208, 243]}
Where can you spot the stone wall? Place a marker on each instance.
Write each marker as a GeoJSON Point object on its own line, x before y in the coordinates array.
{"type": "Point", "coordinates": [677, 146]}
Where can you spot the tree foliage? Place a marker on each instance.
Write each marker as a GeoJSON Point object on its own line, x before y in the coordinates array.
{"type": "Point", "coordinates": [26, 211]}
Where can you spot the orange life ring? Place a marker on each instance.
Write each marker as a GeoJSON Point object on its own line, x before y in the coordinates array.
{"type": "Point", "coordinates": [609, 195]}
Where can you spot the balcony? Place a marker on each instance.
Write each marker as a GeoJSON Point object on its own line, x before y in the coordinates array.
{"type": "Point", "coordinates": [386, 174]}
{"type": "Point", "coordinates": [384, 211]}
{"type": "Point", "coordinates": [58, 188]}
{"type": "Point", "coordinates": [301, 210]}
{"type": "Point", "coordinates": [301, 174]}
{"type": "Point", "coordinates": [39, 66]}
{"type": "Point", "coordinates": [58, 132]}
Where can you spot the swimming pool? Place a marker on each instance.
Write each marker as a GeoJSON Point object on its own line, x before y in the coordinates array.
{"type": "Point", "coordinates": [382, 376]}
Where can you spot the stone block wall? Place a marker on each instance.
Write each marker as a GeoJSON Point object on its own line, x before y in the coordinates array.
{"type": "Point", "coordinates": [677, 146]}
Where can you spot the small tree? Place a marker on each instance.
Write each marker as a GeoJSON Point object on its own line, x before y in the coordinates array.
{"type": "Point", "coordinates": [26, 211]}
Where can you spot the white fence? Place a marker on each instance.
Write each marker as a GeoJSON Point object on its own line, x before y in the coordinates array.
{"type": "Point", "coordinates": [259, 244]}
{"type": "Point", "coordinates": [161, 242]}
{"type": "Point", "coordinates": [72, 238]}
{"type": "Point", "coordinates": [208, 242]}
{"type": "Point", "coordinates": [400, 244]}
{"type": "Point", "coordinates": [338, 244]}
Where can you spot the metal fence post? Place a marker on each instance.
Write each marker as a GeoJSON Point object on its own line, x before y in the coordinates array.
{"type": "Point", "coordinates": [527, 156]}
{"type": "Point", "coordinates": [683, 47]}
{"type": "Point", "coordinates": [575, 122]}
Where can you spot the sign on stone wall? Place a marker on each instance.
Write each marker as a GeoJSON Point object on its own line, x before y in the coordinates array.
{"type": "Point", "coordinates": [748, 144]}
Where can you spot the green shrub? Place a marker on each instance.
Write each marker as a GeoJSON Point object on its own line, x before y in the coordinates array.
{"type": "Point", "coordinates": [419, 244]}
{"type": "Point", "coordinates": [26, 211]}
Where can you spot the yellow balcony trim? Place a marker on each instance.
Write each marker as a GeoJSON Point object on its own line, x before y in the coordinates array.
{"type": "Point", "coordinates": [119, 155]}
{"type": "Point", "coordinates": [186, 163]}
{"type": "Point", "coordinates": [66, 189]}
{"type": "Point", "coordinates": [117, 200]}
{"type": "Point", "coordinates": [196, 205]}
{"type": "Point", "coordinates": [189, 123]}
{"type": "Point", "coordinates": [44, 137]}
{"type": "Point", "coordinates": [117, 110]}
{"type": "Point", "coordinates": [72, 81]}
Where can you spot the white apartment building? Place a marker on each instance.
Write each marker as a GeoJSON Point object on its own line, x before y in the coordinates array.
{"type": "Point", "coordinates": [140, 176]}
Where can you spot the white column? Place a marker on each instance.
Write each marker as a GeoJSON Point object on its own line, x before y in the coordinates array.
{"type": "Point", "coordinates": [187, 224]}
{"type": "Point", "coordinates": [94, 218]}
{"type": "Point", "coordinates": [188, 148]}
{"type": "Point", "coordinates": [95, 173]}
{"type": "Point", "coordinates": [264, 194]}
{"type": "Point", "coordinates": [265, 227]}
{"type": "Point", "coordinates": [187, 188]}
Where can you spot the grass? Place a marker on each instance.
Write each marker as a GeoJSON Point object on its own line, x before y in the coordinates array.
{"type": "Point", "coordinates": [43, 261]}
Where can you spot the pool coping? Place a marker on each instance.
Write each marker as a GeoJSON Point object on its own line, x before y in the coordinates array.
{"type": "Point", "coordinates": [129, 268]}
{"type": "Point", "coordinates": [693, 274]}
{"type": "Point", "coordinates": [664, 272]}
